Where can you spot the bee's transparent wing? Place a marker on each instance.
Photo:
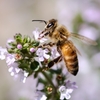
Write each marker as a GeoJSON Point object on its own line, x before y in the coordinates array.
{"type": "Point", "coordinates": [84, 39]}
{"type": "Point", "coordinates": [74, 48]}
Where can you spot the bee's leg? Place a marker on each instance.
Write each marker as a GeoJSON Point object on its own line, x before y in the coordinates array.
{"type": "Point", "coordinates": [59, 51]}
{"type": "Point", "coordinates": [58, 47]}
{"type": "Point", "coordinates": [48, 45]}
{"type": "Point", "coordinates": [56, 60]}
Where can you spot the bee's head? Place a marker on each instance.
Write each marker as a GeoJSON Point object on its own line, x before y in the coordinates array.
{"type": "Point", "coordinates": [49, 28]}
{"type": "Point", "coordinates": [51, 24]}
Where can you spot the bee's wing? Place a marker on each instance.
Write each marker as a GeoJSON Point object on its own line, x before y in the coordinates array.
{"type": "Point", "coordinates": [84, 39]}
{"type": "Point", "coordinates": [74, 48]}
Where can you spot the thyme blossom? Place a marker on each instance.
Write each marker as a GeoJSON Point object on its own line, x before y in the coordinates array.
{"type": "Point", "coordinates": [3, 53]}
{"type": "Point", "coordinates": [66, 90]}
{"type": "Point", "coordinates": [36, 36]}
{"type": "Point", "coordinates": [40, 96]}
{"type": "Point", "coordinates": [65, 93]}
{"type": "Point", "coordinates": [17, 73]}
{"type": "Point", "coordinates": [42, 54]}
{"type": "Point", "coordinates": [43, 97]}
{"type": "Point", "coordinates": [10, 59]}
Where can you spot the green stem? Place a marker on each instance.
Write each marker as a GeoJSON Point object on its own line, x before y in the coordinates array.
{"type": "Point", "coordinates": [48, 79]}
{"type": "Point", "coordinates": [53, 86]}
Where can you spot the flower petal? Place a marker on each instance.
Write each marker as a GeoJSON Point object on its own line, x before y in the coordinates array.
{"type": "Point", "coordinates": [43, 97]}
{"type": "Point", "coordinates": [41, 59]}
{"type": "Point", "coordinates": [69, 90]}
{"type": "Point", "coordinates": [46, 56]}
{"type": "Point", "coordinates": [62, 97]}
{"type": "Point", "coordinates": [3, 53]}
{"type": "Point", "coordinates": [67, 96]}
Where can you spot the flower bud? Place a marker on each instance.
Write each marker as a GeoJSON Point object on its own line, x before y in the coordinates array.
{"type": "Point", "coordinates": [32, 50]}
{"type": "Point", "coordinates": [19, 46]}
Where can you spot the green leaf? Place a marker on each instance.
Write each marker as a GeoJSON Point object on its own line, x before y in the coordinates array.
{"type": "Point", "coordinates": [10, 50]}
{"type": "Point", "coordinates": [13, 44]}
{"type": "Point", "coordinates": [18, 35]}
{"type": "Point", "coordinates": [18, 38]}
{"type": "Point", "coordinates": [26, 45]}
{"type": "Point", "coordinates": [56, 71]}
{"type": "Point", "coordinates": [34, 66]}
{"type": "Point", "coordinates": [28, 39]}
{"type": "Point", "coordinates": [16, 50]}
{"type": "Point", "coordinates": [40, 80]}
{"type": "Point", "coordinates": [24, 40]}
{"type": "Point", "coordinates": [35, 74]}
{"type": "Point", "coordinates": [36, 44]}
{"type": "Point", "coordinates": [23, 65]}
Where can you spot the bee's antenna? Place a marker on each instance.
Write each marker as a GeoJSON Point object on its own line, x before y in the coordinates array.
{"type": "Point", "coordinates": [40, 21]}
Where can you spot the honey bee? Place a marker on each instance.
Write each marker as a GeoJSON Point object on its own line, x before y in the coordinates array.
{"type": "Point", "coordinates": [59, 35]}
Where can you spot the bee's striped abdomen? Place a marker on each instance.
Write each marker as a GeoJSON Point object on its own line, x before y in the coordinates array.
{"type": "Point", "coordinates": [70, 57]}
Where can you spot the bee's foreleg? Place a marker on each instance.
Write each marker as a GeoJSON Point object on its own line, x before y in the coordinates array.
{"type": "Point", "coordinates": [56, 60]}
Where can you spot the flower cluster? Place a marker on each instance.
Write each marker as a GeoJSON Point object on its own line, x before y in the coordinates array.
{"type": "Point", "coordinates": [26, 56]}
{"type": "Point", "coordinates": [23, 56]}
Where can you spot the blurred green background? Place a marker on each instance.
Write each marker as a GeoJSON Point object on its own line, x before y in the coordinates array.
{"type": "Point", "coordinates": [79, 16]}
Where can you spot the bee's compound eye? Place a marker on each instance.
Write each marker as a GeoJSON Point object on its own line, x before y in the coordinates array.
{"type": "Point", "coordinates": [50, 25]}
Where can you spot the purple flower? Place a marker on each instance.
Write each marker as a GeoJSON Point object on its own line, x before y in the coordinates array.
{"type": "Point", "coordinates": [13, 69]}
{"type": "Point", "coordinates": [43, 97]}
{"type": "Point", "coordinates": [40, 96]}
{"type": "Point", "coordinates": [70, 84]}
{"type": "Point", "coordinates": [19, 46]}
{"type": "Point", "coordinates": [54, 52]}
{"type": "Point", "coordinates": [66, 90]}
{"type": "Point", "coordinates": [13, 66]}
{"type": "Point", "coordinates": [10, 59]}
{"type": "Point", "coordinates": [32, 50]}
{"type": "Point", "coordinates": [65, 93]}
{"type": "Point", "coordinates": [17, 72]}
{"type": "Point", "coordinates": [9, 41]}
{"type": "Point", "coordinates": [22, 75]}
{"type": "Point", "coordinates": [3, 53]}
{"type": "Point", "coordinates": [42, 54]}
{"type": "Point", "coordinates": [36, 36]}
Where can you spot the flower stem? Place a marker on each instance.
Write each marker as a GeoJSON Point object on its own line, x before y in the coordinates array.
{"type": "Point", "coordinates": [54, 92]}
{"type": "Point", "coordinates": [48, 79]}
